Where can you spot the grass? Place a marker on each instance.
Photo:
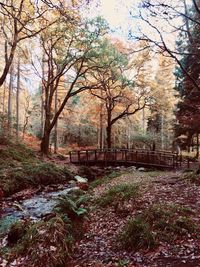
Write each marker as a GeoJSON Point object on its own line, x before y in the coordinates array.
{"type": "Point", "coordinates": [193, 177]}
{"type": "Point", "coordinates": [159, 223]}
{"type": "Point", "coordinates": [12, 153]}
{"type": "Point", "coordinates": [154, 173]}
{"type": "Point", "coordinates": [117, 194]}
{"type": "Point", "coordinates": [43, 242]}
{"type": "Point", "coordinates": [104, 179]}
{"type": "Point", "coordinates": [137, 234]}
{"type": "Point", "coordinates": [20, 169]}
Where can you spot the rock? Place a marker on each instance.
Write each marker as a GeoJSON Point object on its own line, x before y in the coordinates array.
{"type": "Point", "coordinates": [80, 179]}
{"type": "Point", "coordinates": [72, 182]}
{"type": "Point", "coordinates": [132, 168]}
{"type": "Point", "coordinates": [141, 169]}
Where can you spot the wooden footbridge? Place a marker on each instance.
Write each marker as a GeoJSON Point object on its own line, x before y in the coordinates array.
{"type": "Point", "coordinates": [126, 157]}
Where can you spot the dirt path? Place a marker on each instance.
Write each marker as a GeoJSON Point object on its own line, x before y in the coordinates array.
{"type": "Point", "coordinates": [97, 248]}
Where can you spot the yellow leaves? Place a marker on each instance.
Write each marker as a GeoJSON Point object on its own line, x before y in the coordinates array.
{"type": "Point", "coordinates": [28, 10]}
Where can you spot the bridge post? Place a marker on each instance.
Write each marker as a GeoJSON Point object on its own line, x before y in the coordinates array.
{"type": "Point", "coordinates": [188, 163]}
{"type": "Point", "coordinates": [148, 158]}
{"type": "Point", "coordinates": [126, 155]}
{"type": "Point", "coordinates": [115, 151]}
{"type": "Point", "coordinates": [87, 156]}
{"type": "Point", "coordinates": [79, 158]}
{"type": "Point", "coordinates": [180, 160]}
{"type": "Point", "coordinates": [95, 153]}
{"type": "Point", "coordinates": [173, 161]}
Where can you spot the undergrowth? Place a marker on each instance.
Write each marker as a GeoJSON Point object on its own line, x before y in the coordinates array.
{"type": "Point", "coordinates": [20, 169]}
{"type": "Point", "coordinates": [49, 241]}
{"type": "Point", "coordinates": [193, 177]}
{"type": "Point", "coordinates": [158, 223]}
{"type": "Point", "coordinates": [117, 194]}
{"type": "Point", "coordinates": [104, 180]}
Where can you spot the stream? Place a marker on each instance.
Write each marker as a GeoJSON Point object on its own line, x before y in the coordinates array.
{"type": "Point", "coordinates": [34, 207]}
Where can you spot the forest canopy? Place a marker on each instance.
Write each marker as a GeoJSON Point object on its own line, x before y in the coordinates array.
{"type": "Point", "coordinates": [72, 79]}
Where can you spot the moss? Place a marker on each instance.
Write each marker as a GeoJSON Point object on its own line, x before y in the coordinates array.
{"type": "Point", "coordinates": [20, 169]}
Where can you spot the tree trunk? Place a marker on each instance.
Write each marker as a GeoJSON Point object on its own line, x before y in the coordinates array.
{"type": "Point", "coordinates": [4, 99]}
{"type": "Point", "coordinates": [108, 138]}
{"type": "Point", "coordinates": [42, 97]}
{"type": "Point", "coordinates": [101, 124]}
{"type": "Point", "coordinates": [10, 100]}
{"type": "Point", "coordinates": [197, 154]}
{"type": "Point", "coordinates": [109, 128]}
{"type": "Point", "coordinates": [44, 146]}
{"type": "Point", "coordinates": [162, 132]}
{"type": "Point", "coordinates": [9, 61]}
{"type": "Point", "coordinates": [17, 99]}
{"type": "Point", "coordinates": [56, 124]}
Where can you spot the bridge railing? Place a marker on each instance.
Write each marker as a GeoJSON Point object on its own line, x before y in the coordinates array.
{"type": "Point", "coordinates": [126, 156]}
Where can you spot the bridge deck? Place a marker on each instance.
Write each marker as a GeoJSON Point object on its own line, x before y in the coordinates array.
{"type": "Point", "coordinates": [159, 159]}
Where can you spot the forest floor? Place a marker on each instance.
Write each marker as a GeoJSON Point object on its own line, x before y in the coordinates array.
{"type": "Point", "coordinates": [134, 218]}
{"type": "Point", "coordinates": [159, 190]}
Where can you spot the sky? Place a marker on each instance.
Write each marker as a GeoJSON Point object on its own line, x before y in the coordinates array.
{"type": "Point", "coordinates": [116, 13]}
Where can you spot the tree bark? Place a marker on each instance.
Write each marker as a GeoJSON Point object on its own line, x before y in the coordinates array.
{"type": "Point", "coordinates": [42, 96]}
{"type": "Point", "coordinates": [9, 61]}
{"type": "Point", "coordinates": [10, 100]}
{"type": "Point", "coordinates": [109, 138]}
{"type": "Point", "coordinates": [44, 146]}
{"type": "Point", "coordinates": [56, 124]}
{"type": "Point", "coordinates": [109, 127]}
{"type": "Point", "coordinates": [17, 99]}
{"type": "Point", "coordinates": [197, 154]}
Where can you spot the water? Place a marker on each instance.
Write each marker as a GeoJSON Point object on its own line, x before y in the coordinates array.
{"type": "Point", "coordinates": [34, 208]}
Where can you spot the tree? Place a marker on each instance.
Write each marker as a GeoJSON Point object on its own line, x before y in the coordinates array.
{"type": "Point", "coordinates": [70, 48]}
{"type": "Point", "coordinates": [188, 114]}
{"type": "Point", "coordinates": [176, 20]}
{"type": "Point", "coordinates": [180, 20]}
{"type": "Point", "coordinates": [19, 21]}
{"type": "Point", "coordinates": [161, 117]}
{"type": "Point", "coordinates": [119, 95]}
